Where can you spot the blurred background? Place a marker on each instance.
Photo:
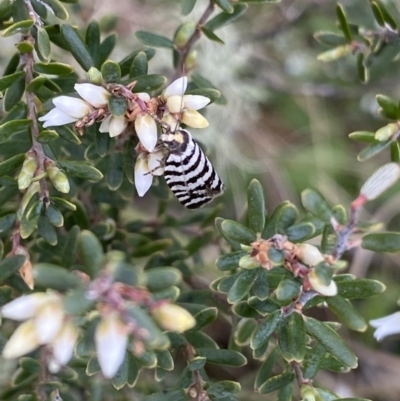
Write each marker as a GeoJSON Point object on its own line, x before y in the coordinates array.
{"type": "Point", "coordinates": [286, 122]}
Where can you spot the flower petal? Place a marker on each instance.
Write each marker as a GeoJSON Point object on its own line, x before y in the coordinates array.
{"type": "Point", "coordinates": [195, 102]}
{"type": "Point", "coordinates": [111, 339]}
{"type": "Point", "coordinates": [25, 307]}
{"type": "Point", "coordinates": [48, 321]}
{"type": "Point", "coordinates": [117, 125]}
{"type": "Point", "coordinates": [172, 317]}
{"type": "Point", "coordinates": [23, 341]}
{"type": "Point", "coordinates": [386, 326]}
{"type": "Point", "coordinates": [174, 104]}
{"type": "Point", "coordinates": [146, 129]}
{"type": "Point", "coordinates": [171, 121]}
{"type": "Point", "coordinates": [63, 345]}
{"type": "Point", "coordinates": [194, 119]}
{"type": "Point", "coordinates": [155, 163]}
{"type": "Point", "coordinates": [72, 106]}
{"type": "Point", "coordinates": [96, 95]}
{"type": "Point", "coordinates": [55, 118]}
{"type": "Point", "coordinates": [143, 178]}
{"type": "Point", "coordinates": [178, 87]}
{"type": "Point", "coordinates": [105, 125]}
{"type": "Point", "coordinates": [143, 96]}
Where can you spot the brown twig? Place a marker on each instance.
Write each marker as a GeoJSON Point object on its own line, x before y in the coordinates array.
{"type": "Point", "coordinates": [184, 51]}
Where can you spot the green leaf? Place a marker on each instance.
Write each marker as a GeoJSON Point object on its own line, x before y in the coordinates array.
{"type": "Point", "coordinates": [225, 18]}
{"type": "Point", "coordinates": [362, 69]}
{"type": "Point", "coordinates": [126, 63]}
{"type": "Point", "coordinates": [238, 232]}
{"type": "Point", "coordinates": [47, 136]}
{"type": "Point", "coordinates": [359, 288]}
{"type": "Point", "coordinates": [382, 242]}
{"type": "Point", "coordinates": [244, 331]}
{"type": "Point", "coordinates": [139, 65]}
{"type": "Point", "coordinates": [53, 68]}
{"type": "Point", "coordinates": [106, 47]}
{"type": "Point", "coordinates": [329, 38]}
{"type": "Point", "coordinates": [164, 360]}
{"type": "Point", "coordinates": [256, 206]}
{"type": "Point", "coordinates": [117, 105]}
{"type": "Point", "coordinates": [276, 382]}
{"type": "Point", "coordinates": [387, 16]}
{"type": "Point", "coordinates": [242, 285]}
{"type": "Point", "coordinates": [223, 389]}
{"type": "Point", "coordinates": [225, 5]}
{"type": "Point", "coordinates": [111, 71]}
{"type": "Point", "coordinates": [8, 80]}
{"type": "Point", "coordinates": [121, 377]}
{"type": "Point", "coordinates": [18, 27]}
{"type": "Point", "coordinates": [212, 36]}
{"type": "Point", "coordinates": [47, 275]}
{"type": "Point", "coordinates": [80, 169]}
{"type": "Point", "coordinates": [301, 232]}
{"type": "Point", "coordinates": [12, 163]}
{"type": "Point", "coordinates": [344, 25]}
{"type": "Point", "coordinates": [11, 127]}
{"type": "Point", "coordinates": [14, 94]}
{"type": "Point", "coordinates": [205, 317]}
{"type": "Point", "coordinates": [331, 341]}
{"type": "Point", "coordinates": [266, 368]}
{"type": "Point", "coordinates": [287, 290]}
{"type": "Point", "coordinates": [7, 221]}
{"type": "Point", "coordinates": [42, 44]}
{"type": "Point", "coordinates": [187, 6]}
{"type": "Point", "coordinates": [395, 152]}
{"type": "Point", "coordinates": [265, 329]}
{"type": "Point", "coordinates": [261, 287]}
{"type": "Point", "coordinates": [316, 205]}
{"type": "Point", "coordinates": [10, 265]}
{"type": "Point", "coordinates": [363, 136]}
{"type": "Point", "coordinates": [243, 309]}
{"type": "Point", "coordinates": [148, 83]}
{"type": "Point", "coordinates": [389, 106]}
{"type": "Point", "coordinates": [377, 14]}
{"type": "Point", "coordinates": [167, 395]}
{"type": "Point", "coordinates": [115, 173]}
{"type": "Point", "coordinates": [284, 216]}
{"type": "Point", "coordinates": [57, 9]}
{"type": "Point", "coordinates": [134, 370]}
{"type": "Point", "coordinates": [160, 278]}
{"type": "Point", "coordinates": [67, 134]}
{"type": "Point", "coordinates": [234, 244]}
{"type": "Point", "coordinates": [77, 47]}
{"type": "Point", "coordinates": [222, 356]}
{"type": "Point", "coordinates": [346, 313]}
{"type": "Point", "coordinates": [90, 250]}
{"type": "Point", "coordinates": [151, 39]}
{"type": "Point", "coordinates": [46, 230]}
{"type": "Point", "coordinates": [292, 337]}
{"type": "Point", "coordinates": [200, 340]}
{"type": "Point", "coordinates": [374, 148]}
{"type": "Point", "coordinates": [313, 360]}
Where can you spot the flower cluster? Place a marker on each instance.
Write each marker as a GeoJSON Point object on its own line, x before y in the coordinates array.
{"type": "Point", "coordinates": [45, 323]}
{"type": "Point", "coordinates": [170, 109]}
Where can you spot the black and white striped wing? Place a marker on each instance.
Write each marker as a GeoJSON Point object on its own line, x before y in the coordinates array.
{"type": "Point", "coordinates": [191, 176]}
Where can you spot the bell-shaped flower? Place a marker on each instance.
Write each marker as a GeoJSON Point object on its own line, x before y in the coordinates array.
{"type": "Point", "coordinates": [23, 340]}
{"type": "Point", "coordinates": [68, 110]}
{"type": "Point", "coordinates": [146, 129]}
{"type": "Point", "coordinates": [147, 165]}
{"type": "Point", "coordinates": [318, 285]}
{"type": "Point", "coordinates": [96, 95]}
{"type": "Point", "coordinates": [111, 338]}
{"type": "Point", "coordinates": [113, 125]}
{"type": "Point", "coordinates": [25, 307]}
{"type": "Point", "coordinates": [63, 345]}
{"type": "Point", "coordinates": [48, 321]}
{"type": "Point", "coordinates": [386, 326]}
{"type": "Point", "coordinates": [185, 106]}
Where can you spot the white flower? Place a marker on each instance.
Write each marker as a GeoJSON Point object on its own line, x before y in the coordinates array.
{"type": "Point", "coordinates": [111, 338]}
{"type": "Point", "coordinates": [146, 129]}
{"type": "Point", "coordinates": [48, 321]}
{"type": "Point", "coordinates": [96, 95]}
{"type": "Point", "coordinates": [147, 165]}
{"type": "Point", "coordinates": [63, 345]}
{"type": "Point", "coordinates": [172, 317]}
{"type": "Point", "coordinates": [386, 326]}
{"type": "Point", "coordinates": [67, 110]}
{"type": "Point", "coordinates": [186, 105]}
{"type": "Point", "coordinates": [309, 254]}
{"type": "Point", "coordinates": [113, 125]}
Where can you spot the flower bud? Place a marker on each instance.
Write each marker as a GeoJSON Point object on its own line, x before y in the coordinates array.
{"type": "Point", "coordinates": [335, 53]}
{"type": "Point", "coordinates": [307, 393]}
{"type": "Point", "coordinates": [191, 60]}
{"type": "Point", "coordinates": [33, 188]}
{"type": "Point", "coordinates": [27, 171]}
{"type": "Point", "coordinates": [184, 33]}
{"type": "Point", "coordinates": [309, 254]}
{"type": "Point", "coordinates": [173, 318]}
{"type": "Point", "coordinates": [26, 269]}
{"type": "Point", "coordinates": [174, 104]}
{"type": "Point", "coordinates": [194, 119]}
{"type": "Point", "coordinates": [94, 76]}
{"type": "Point", "coordinates": [318, 285]}
{"type": "Point", "coordinates": [386, 132]}
{"type": "Point", "coordinates": [57, 177]}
